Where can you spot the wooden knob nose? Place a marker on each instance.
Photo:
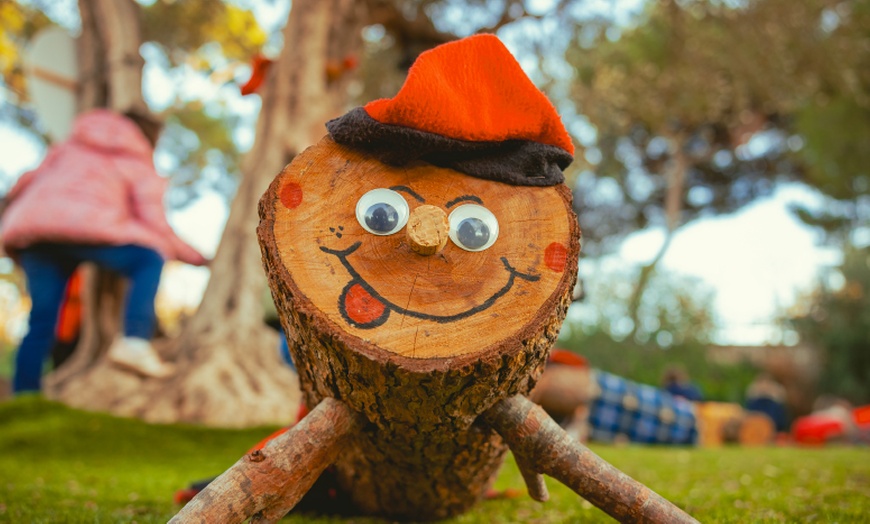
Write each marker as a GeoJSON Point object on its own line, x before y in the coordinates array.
{"type": "Point", "coordinates": [427, 230]}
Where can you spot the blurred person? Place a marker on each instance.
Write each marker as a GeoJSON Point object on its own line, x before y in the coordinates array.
{"type": "Point", "coordinates": [765, 395]}
{"type": "Point", "coordinates": [96, 197]}
{"type": "Point", "coordinates": [566, 390]}
{"type": "Point", "coordinates": [594, 405]}
{"type": "Point", "coordinates": [271, 319]}
{"type": "Point", "coordinates": [676, 382]}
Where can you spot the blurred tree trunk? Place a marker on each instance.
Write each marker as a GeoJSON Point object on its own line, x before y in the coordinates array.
{"type": "Point", "coordinates": [229, 372]}
{"type": "Point", "coordinates": [677, 170]}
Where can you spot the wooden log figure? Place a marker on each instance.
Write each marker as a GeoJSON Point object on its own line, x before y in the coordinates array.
{"type": "Point", "coordinates": [422, 258]}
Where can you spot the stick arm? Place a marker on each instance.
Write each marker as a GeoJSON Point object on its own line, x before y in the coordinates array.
{"type": "Point", "coordinates": [540, 445]}
{"type": "Point", "coordinates": [265, 485]}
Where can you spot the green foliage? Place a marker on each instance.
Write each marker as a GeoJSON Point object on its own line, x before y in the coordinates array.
{"type": "Point", "coordinates": [183, 28]}
{"type": "Point", "coordinates": [646, 363]}
{"type": "Point", "coordinates": [673, 310]}
{"type": "Point", "coordinates": [836, 154]}
{"type": "Point", "coordinates": [204, 39]}
{"type": "Point", "coordinates": [209, 38]}
{"type": "Point", "coordinates": [18, 24]}
{"type": "Point", "coordinates": [198, 140]}
{"type": "Point", "coordinates": [673, 326]}
{"type": "Point", "coordinates": [63, 465]}
{"type": "Point", "coordinates": [838, 322]}
{"type": "Point", "coordinates": [749, 92]}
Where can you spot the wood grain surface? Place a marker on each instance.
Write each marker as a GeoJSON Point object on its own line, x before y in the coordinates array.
{"type": "Point", "coordinates": [378, 289]}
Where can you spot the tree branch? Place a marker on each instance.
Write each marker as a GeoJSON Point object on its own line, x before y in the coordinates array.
{"type": "Point", "coordinates": [675, 179]}
{"type": "Point", "coordinates": [419, 30]}
{"type": "Point", "coordinates": [265, 484]}
{"type": "Point", "coordinates": [534, 481]}
{"type": "Point", "coordinates": [538, 442]}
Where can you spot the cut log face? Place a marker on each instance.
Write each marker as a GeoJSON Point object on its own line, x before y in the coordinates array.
{"type": "Point", "coordinates": [419, 340]}
{"type": "Point", "coordinates": [376, 287]}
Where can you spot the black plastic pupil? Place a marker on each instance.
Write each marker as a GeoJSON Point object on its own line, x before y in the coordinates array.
{"type": "Point", "coordinates": [472, 233]}
{"type": "Point", "coordinates": [382, 217]}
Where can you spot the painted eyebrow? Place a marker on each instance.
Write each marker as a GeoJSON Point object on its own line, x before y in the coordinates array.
{"type": "Point", "coordinates": [410, 191]}
{"type": "Point", "coordinates": [464, 198]}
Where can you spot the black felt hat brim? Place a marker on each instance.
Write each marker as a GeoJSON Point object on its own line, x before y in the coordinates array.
{"type": "Point", "coordinates": [517, 162]}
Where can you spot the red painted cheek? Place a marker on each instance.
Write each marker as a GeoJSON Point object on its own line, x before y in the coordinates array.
{"type": "Point", "coordinates": [555, 257]}
{"type": "Point", "coordinates": [361, 307]}
{"type": "Point", "coordinates": [291, 195]}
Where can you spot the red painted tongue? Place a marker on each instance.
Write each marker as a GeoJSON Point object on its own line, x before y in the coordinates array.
{"type": "Point", "coordinates": [361, 307]}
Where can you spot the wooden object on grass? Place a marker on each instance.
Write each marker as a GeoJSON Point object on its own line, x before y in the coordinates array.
{"type": "Point", "coordinates": [420, 345]}
{"type": "Point", "coordinates": [727, 423]}
{"type": "Point", "coordinates": [712, 418]}
{"type": "Point", "coordinates": [749, 429]}
{"type": "Point", "coordinates": [376, 290]}
{"type": "Point", "coordinates": [265, 484]}
{"type": "Point", "coordinates": [757, 429]}
{"type": "Point", "coordinates": [420, 357]}
{"type": "Point", "coordinates": [566, 393]}
{"type": "Point", "coordinates": [541, 446]}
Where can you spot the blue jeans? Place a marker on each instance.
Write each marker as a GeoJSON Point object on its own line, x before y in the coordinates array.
{"type": "Point", "coordinates": [48, 267]}
{"type": "Point", "coordinates": [284, 349]}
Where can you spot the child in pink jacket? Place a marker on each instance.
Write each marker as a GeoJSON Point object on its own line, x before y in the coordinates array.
{"type": "Point", "coordinates": [95, 198]}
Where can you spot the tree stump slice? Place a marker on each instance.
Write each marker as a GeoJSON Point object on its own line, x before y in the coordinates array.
{"type": "Point", "coordinates": [757, 429]}
{"type": "Point", "coordinates": [419, 345]}
{"type": "Point", "coordinates": [713, 419]}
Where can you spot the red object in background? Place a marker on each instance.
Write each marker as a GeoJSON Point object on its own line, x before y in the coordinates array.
{"type": "Point", "coordinates": [300, 414]}
{"type": "Point", "coordinates": [183, 496]}
{"type": "Point", "coordinates": [70, 320]}
{"type": "Point", "coordinates": [259, 67]}
{"type": "Point", "coordinates": [563, 356]}
{"type": "Point", "coordinates": [350, 62]}
{"type": "Point", "coordinates": [862, 416]}
{"type": "Point", "coordinates": [336, 68]}
{"type": "Point", "coordinates": [817, 429]}
{"type": "Point", "coordinates": [262, 444]}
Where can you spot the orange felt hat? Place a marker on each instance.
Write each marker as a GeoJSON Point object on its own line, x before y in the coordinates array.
{"type": "Point", "coordinates": [469, 106]}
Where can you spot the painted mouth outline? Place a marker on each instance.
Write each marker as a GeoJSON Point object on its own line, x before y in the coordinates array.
{"type": "Point", "coordinates": [356, 279]}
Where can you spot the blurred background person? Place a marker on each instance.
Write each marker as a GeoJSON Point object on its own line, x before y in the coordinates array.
{"type": "Point", "coordinates": [765, 395]}
{"type": "Point", "coordinates": [96, 197]}
{"type": "Point", "coordinates": [676, 382]}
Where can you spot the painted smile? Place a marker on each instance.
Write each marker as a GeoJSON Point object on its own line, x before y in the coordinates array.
{"type": "Point", "coordinates": [363, 307]}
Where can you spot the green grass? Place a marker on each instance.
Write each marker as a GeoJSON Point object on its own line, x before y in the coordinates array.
{"type": "Point", "coordinates": [63, 465]}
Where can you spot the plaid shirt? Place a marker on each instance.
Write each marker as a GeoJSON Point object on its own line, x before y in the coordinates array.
{"type": "Point", "coordinates": [641, 413]}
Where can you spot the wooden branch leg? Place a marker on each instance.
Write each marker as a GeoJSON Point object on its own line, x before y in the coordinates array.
{"type": "Point", "coordinates": [265, 484]}
{"type": "Point", "coordinates": [534, 481]}
{"type": "Point", "coordinates": [539, 443]}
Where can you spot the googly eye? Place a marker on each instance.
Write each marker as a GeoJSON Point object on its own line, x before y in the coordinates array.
{"type": "Point", "coordinates": [473, 227]}
{"type": "Point", "coordinates": [382, 211]}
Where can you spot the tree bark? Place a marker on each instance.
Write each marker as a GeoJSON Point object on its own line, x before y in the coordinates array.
{"type": "Point", "coordinates": [429, 342]}
{"type": "Point", "coordinates": [677, 171]}
{"type": "Point", "coordinates": [226, 342]}
{"type": "Point", "coordinates": [266, 483]}
{"type": "Point", "coordinates": [102, 303]}
{"type": "Point", "coordinates": [544, 447]}
{"type": "Point", "coordinates": [108, 51]}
